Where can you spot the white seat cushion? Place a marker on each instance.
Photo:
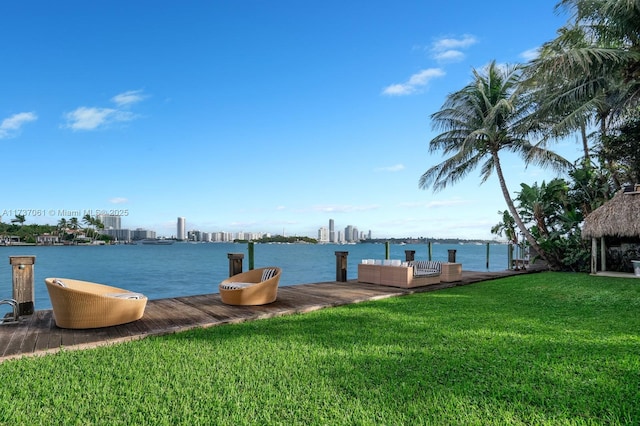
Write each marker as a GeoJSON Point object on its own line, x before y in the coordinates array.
{"type": "Point", "coordinates": [128, 295]}
{"type": "Point", "coordinates": [236, 286]}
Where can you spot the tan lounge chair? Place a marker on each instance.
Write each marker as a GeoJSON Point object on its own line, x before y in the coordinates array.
{"type": "Point", "coordinates": [255, 287]}
{"type": "Point", "coordinates": [83, 304]}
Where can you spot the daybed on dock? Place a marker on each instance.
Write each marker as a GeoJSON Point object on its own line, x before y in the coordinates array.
{"type": "Point", "coordinates": [83, 304]}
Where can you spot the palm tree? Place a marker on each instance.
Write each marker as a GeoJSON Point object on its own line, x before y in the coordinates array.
{"type": "Point", "coordinates": [590, 74]}
{"type": "Point", "coordinates": [20, 218]}
{"type": "Point", "coordinates": [62, 227]}
{"type": "Point", "coordinates": [487, 116]}
{"type": "Point", "coordinates": [542, 205]}
{"type": "Point", "coordinates": [74, 225]}
{"type": "Point", "coordinates": [89, 222]}
{"type": "Point", "coordinates": [507, 226]}
{"type": "Point", "coordinates": [92, 224]}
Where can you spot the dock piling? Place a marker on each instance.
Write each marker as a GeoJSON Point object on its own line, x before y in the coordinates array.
{"type": "Point", "coordinates": [23, 285]}
{"type": "Point", "coordinates": [235, 263]}
{"type": "Point", "coordinates": [341, 266]}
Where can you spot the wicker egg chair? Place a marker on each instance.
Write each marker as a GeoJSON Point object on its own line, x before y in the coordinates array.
{"type": "Point", "coordinates": [255, 287]}
{"type": "Point", "coordinates": [83, 304]}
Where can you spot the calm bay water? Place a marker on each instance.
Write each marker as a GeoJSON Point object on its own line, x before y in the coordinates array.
{"type": "Point", "coordinates": [186, 269]}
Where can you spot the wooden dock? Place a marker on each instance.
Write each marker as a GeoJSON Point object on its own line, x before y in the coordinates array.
{"type": "Point", "coordinates": [37, 334]}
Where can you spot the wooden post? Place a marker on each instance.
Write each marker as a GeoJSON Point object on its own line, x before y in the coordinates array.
{"type": "Point", "coordinates": [341, 266]}
{"type": "Point", "coordinates": [387, 250]}
{"type": "Point", "coordinates": [235, 263]}
{"type": "Point", "coordinates": [410, 255]}
{"type": "Point", "coordinates": [487, 256]}
{"type": "Point", "coordinates": [429, 251]}
{"type": "Point", "coordinates": [452, 256]}
{"type": "Point", "coordinates": [250, 250]}
{"type": "Point", "coordinates": [603, 254]}
{"type": "Point", "coordinates": [594, 255]}
{"type": "Point", "coordinates": [23, 287]}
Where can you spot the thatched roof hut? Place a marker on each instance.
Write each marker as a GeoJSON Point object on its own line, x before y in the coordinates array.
{"type": "Point", "coordinates": [618, 217]}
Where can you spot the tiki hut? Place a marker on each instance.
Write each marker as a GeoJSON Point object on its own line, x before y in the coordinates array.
{"type": "Point", "coordinates": [618, 218]}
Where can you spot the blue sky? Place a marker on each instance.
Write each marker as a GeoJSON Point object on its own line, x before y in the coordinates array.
{"type": "Point", "coordinates": [251, 116]}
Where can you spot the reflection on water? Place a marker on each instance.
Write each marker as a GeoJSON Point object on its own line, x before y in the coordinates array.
{"type": "Point", "coordinates": [186, 269]}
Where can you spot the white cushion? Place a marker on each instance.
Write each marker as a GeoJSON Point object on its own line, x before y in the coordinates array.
{"type": "Point", "coordinates": [236, 285]}
{"type": "Point", "coordinates": [128, 295]}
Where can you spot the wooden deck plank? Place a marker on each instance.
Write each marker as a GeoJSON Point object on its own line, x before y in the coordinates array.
{"type": "Point", "coordinates": [39, 334]}
{"type": "Point", "coordinates": [12, 338]}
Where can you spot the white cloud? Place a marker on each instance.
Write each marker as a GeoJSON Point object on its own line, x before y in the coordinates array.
{"type": "Point", "coordinates": [128, 98]}
{"type": "Point", "coordinates": [454, 43]}
{"type": "Point", "coordinates": [118, 200]}
{"type": "Point", "coordinates": [415, 82]}
{"type": "Point", "coordinates": [344, 208]}
{"type": "Point", "coordinates": [11, 126]}
{"type": "Point", "coordinates": [531, 54]}
{"type": "Point", "coordinates": [445, 203]}
{"type": "Point", "coordinates": [394, 168]}
{"type": "Point", "coordinates": [449, 49]}
{"type": "Point", "coordinates": [89, 118]}
{"type": "Point", "coordinates": [434, 204]}
{"type": "Point", "coordinates": [449, 56]}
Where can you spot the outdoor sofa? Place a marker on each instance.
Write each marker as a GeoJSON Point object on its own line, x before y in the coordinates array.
{"type": "Point", "coordinates": [413, 274]}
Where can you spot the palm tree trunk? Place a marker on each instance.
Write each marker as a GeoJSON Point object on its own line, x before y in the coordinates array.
{"type": "Point", "coordinates": [585, 146]}
{"type": "Point", "coordinates": [512, 209]}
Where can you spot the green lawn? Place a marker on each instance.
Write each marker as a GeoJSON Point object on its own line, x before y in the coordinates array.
{"type": "Point", "coordinates": [546, 348]}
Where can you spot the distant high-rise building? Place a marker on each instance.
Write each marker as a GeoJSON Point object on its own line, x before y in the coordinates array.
{"type": "Point", "coordinates": [348, 233]}
{"type": "Point", "coordinates": [118, 234]}
{"type": "Point", "coordinates": [182, 226]}
{"type": "Point", "coordinates": [110, 221]}
{"type": "Point", "coordinates": [323, 235]}
{"type": "Point", "coordinates": [332, 232]}
{"type": "Point", "coordinates": [141, 234]}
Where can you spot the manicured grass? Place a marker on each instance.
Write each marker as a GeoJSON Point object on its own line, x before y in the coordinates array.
{"type": "Point", "coordinates": [548, 348]}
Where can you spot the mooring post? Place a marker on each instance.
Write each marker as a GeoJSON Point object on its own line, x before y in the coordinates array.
{"type": "Point", "coordinates": [409, 255]}
{"type": "Point", "coordinates": [452, 256]}
{"type": "Point", "coordinates": [23, 287]}
{"type": "Point", "coordinates": [387, 250]}
{"type": "Point", "coordinates": [510, 255]}
{"type": "Point", "coordinates": [429, 250]}
{"type": "Point", "coordinates": [488, 256]}
{"type": "Point", "coordinates": [251, 258]}
{"type": "Point", "coordinates": [235, 263]}
{"type": "Point", "coordinates": [341, 266]}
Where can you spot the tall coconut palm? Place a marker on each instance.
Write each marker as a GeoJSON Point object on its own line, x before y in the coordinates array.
{"type": "Point", "coordinates": [612, 30]}
{"type": "Point", "coordinates": [590, 74]}
{"type": "Point", "coordinates": [89, 222]}
{"type": "Point", "coordinates": [74, 225]}
{"type": "Point", "coordinates": [486, 117]}
{"type": "Point", "coordinates": [62, 228]}
{"type": "Point", "coordinates": [20, 218]}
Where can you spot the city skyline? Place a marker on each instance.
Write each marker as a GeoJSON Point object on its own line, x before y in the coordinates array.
{"type": "Point", "coordinates": [254, 116]}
